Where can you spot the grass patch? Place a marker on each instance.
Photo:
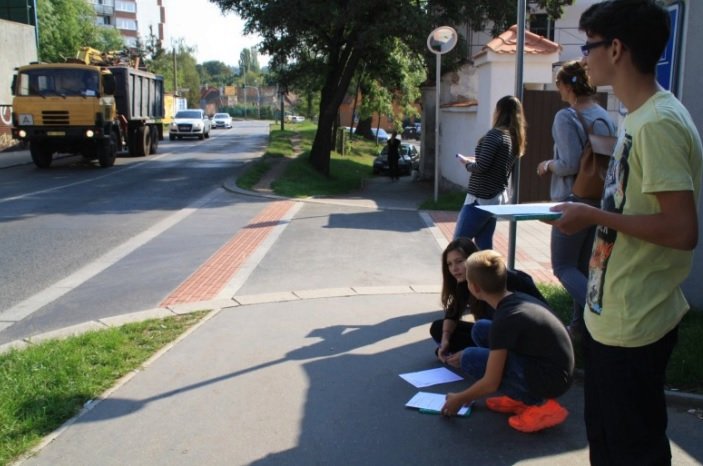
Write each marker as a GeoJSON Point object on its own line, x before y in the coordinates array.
{"type": "Point", "coordinates": [450, 201]}
{"type": "Point", "coordinates": [47, 384]}
{"type": "Point", "coordinates": [346, 175]}
{"type": "Point", "coordinates": [300, 179]}
{"type": "Point", "coordinates": [685, 370]}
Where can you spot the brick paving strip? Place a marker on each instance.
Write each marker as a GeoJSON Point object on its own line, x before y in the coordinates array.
{"type": "Point", "coordinates": [532, 256]}
{"type": "Point", "coordinates": [206, 282]}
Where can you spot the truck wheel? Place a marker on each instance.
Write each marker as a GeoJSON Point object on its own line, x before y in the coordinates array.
{"type": "Point", "coordinates": [41, 154]}
{"type": "Point", "coordinates": [154, 140]}
{"type": "Point", "coordinates": [143, 141]}
{"type": "Point", "coordinates": [106, 156]}
{"type": "Point", "coordinates": [201, 136]}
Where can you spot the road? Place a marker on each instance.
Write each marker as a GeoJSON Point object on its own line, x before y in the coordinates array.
{"type": "Point", "coordinates": [81, 242]}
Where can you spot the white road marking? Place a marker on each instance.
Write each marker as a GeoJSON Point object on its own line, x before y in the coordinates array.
{"type": "Point", "coordinates": [53, 292]}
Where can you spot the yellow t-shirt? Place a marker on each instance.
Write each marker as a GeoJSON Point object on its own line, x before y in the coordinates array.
{"type": "Point", "coordinates": [634, 296]}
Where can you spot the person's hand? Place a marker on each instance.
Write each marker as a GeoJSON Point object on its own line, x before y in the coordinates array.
{"type": "Point", "coordinates": [453, 403]}
{"type": "Point", "coordinates": [543, 167]}
{"type": "Point", "coordinates": [465, 159]}
{"type": "Point", "coordinates": [575, 216]}
{"type": "Point", "coordinates": [443, 352]}
{"type": "Point", "coordinates": [454, 360]}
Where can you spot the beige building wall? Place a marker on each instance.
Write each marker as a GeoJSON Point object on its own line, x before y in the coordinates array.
{"type": "Point", "coordinates": [23, 51]}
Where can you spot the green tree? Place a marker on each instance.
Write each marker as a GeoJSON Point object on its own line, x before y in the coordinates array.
{"type": "Point", "coordinates": [67, 25]}
{"type": "Point", "coordinates": [334, 37]}
{"type": "Point", "coordinates": [215, 73]}
{"type": "Point", "coordinates": [163, 62]}
{"type": "Point", "coordinates": [249, 61]}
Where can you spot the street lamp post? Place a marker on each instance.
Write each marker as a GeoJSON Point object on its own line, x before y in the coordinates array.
{"type": "Point", "coordinates": [440, 41]}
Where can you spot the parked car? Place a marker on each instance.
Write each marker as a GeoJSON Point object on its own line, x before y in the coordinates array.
{"type": "Point", "coordinates": [221, 120]}
{"type": "Point", "coordinates": [410, 132]}
{"type": "Point", "coordinates": [192, 122]}
{"type": "Point", "coordinates": [295, 118]}
{"type": "Point", "coordinates": [409, 160]}
{"type": "Point", "coordinates": [380, 134]}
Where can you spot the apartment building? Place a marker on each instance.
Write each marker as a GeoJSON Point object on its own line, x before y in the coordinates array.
{"type": "Point", "coordinates": [133, 18]}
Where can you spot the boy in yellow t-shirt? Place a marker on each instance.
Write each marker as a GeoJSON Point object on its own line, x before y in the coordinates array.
{"type": "Point", "coordinates": [647, 227]}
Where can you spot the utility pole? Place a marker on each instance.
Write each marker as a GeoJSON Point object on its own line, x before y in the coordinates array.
{"type": "Point", "coordinates": [175, 72]}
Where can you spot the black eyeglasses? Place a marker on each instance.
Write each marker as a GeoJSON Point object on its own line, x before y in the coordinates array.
{"type": "Point", "coordinates": [586, 48]}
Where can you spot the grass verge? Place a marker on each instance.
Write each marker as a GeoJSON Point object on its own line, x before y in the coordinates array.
{"type": "Point", "coordinates": [300, 179]}
{"type": "Point", "coordinates": [449, 201]}
{"type": "Point", "coordinates": [45, 385]}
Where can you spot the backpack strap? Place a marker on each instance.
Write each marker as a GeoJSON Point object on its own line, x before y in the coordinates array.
{"type": "Point", "coordinates": [583, 125]}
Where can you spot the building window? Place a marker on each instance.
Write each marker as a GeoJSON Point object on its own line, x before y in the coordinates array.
{"type": "Point", "coordinates": [103, 20]}
{"type": "Point", "coordinates": [129, 7]}
{"type": "Point", "coordinates": [542, 24]}
{"type": "Point", "coordinates": [126, 24]}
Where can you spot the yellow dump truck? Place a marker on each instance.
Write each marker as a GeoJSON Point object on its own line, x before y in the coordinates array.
{"type": "Point", "coordinates": [95, 106]}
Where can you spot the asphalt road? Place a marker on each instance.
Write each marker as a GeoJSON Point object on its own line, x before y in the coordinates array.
{"type": "Point", "coordinates": [81, 242]}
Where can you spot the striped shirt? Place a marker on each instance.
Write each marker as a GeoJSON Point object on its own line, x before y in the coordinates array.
{"type": "Point", "coordinates": [494, 161]}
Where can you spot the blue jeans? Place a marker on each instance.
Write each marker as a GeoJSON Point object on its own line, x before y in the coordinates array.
{"type": "Point", "coordinates": [476, 224]}
{"type": "Point", "coordinates": [570, 255]}
{"type": "Point", "coordinates": [513, 383]}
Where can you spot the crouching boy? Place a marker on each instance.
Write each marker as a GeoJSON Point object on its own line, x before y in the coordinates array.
{"type": "Point", "coordinates": [525, 353]}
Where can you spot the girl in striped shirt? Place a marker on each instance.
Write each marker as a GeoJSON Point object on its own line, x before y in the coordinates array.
{"type": "Point", "coordinates": [490, 169]}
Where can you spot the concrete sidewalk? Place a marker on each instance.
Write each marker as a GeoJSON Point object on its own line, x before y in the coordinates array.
{"type": "Point", "coordinates": [299, 361]}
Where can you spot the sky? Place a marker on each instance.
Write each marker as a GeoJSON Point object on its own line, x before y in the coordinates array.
{"type": "Point", "coordinates": [215, 36]}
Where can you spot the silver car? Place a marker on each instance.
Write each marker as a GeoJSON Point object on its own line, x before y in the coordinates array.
{"type": "Point", "coordinates": [221, 120]}
{"type": "Point", "coordinates": [192, 122]}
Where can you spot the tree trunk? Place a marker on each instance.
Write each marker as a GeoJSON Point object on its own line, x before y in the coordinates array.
{"type": "Point", "coordinates": [335, 88]}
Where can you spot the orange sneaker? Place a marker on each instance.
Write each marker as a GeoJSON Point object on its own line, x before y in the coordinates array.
{"type": "Point", "coordinates": [505, 404]}
{"type": "Point", "coordinates": [536, 418]}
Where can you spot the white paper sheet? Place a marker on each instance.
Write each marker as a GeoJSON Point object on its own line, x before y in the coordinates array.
{"type": "Point", "coordinates": [431, 377]}
{"type": "Point", "coordinates": [432, 402]}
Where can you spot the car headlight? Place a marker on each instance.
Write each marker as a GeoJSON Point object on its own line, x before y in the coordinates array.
{"type": "Point", "coordinates": [173, 125]}
{"type": "Point", "coordinates": [198, 126]}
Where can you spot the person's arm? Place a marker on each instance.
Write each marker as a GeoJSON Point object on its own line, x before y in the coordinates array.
{"type": "Point", "coordinates": [448, 327]}
{"type": "Point", "coordinates": [569, 140]}
{"type": "Point", "coordinates": [489, 383]}
{"type": "Point", "coordinates": [675, 226]}
{"type": "Point", "coordinates": [486, 151]}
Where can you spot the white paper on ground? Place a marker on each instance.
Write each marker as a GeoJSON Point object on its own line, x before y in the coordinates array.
{"type": "Point", "coordinates": [432, 402]}
{"type": "Point", "coordinates": [431, 377]}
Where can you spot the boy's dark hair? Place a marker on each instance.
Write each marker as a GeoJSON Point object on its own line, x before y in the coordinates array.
{"type": "Point", "coordinates": [641, 25]}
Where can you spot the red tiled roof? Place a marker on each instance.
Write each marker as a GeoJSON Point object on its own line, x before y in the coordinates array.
{"type": "Point", "coordinates": [507, 43]}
